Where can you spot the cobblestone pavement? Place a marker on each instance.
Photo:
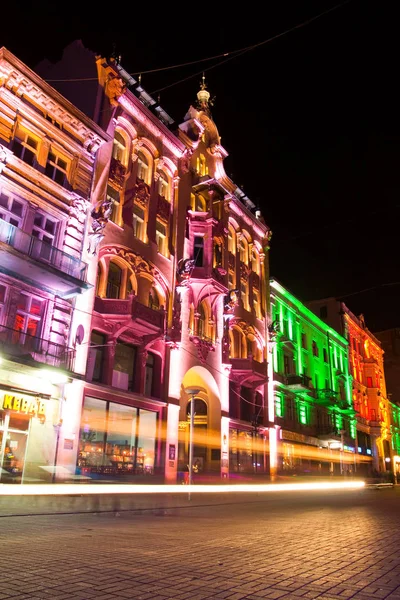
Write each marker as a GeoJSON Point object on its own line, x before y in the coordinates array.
{"type": "Point", "coordinates": [288, 546]}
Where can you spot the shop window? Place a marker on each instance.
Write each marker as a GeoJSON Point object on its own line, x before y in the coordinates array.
{"type": "Point", "coordinates": [26, 146]}
{"type": "Point", "coordinates": [198, 250]}
{"type": "Point", "coordinates": [116, 440]}
{"type": "Point", "coordinates": [56, 168]}
{"type": "Point", "coordinates": [11, 209]}
{"type": "Point", "coordinates": [138, 222]}
{"type": "Point", "coordinates": [143, 171]}
{"type": "Point", "coordinates": [113, 197]}
{"type": "Point", "coordinates": [161, 237]}
{"type": "Point", "coordinates": [96, 358]}
{"type": "Point", "coordinates": [114, 281]}
{"type": "Point", "coordinates": [124, 366]}
{"type": "Point", "coordinates": [28, 321]}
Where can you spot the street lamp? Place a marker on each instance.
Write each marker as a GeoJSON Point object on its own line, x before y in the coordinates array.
{"type": "Point", "coordinates": [193, 393]}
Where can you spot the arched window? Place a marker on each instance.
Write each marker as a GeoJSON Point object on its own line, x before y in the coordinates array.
{"type": "Point", "coordinates": [243, 250]}
{"type": "Point", "coordinates": [231, 240]}
{"type": "Point", "coordinates": [119, 148]}
{"type": "Point", "coordinates": [163, 185]}
{"type": "Point", "coordinates": [201, 322]}
{"type": "Point", "coordinates": [237, 351]}
{"type": "Point", "coordinates": [154, 300]}
{"type": "Point", "coordinates": [144, 170]}
{"type": "Point", "coordinates": [114, 281]}
{"type": "Point", "coordinates": [255, 261]}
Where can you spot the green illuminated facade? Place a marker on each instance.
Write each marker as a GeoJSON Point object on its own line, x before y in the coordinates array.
{"type": "Point", "coordinates": [394, 411]}
{"type": "Point", "coordinates": [312, 389]}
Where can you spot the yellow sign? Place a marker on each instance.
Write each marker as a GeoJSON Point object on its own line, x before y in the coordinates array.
{"type": "Point", "coordinates": [27, 406]}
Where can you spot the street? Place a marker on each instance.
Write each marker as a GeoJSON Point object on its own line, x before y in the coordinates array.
{"type": "Point", "coordinates": [321, 545]}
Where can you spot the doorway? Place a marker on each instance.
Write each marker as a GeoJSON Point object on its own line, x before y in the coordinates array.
{"type": "Point", "coordinates": [14, 431]}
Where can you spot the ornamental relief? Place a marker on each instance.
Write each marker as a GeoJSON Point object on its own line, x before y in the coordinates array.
{"type": "Point", "coordinates": [117, 173]}
{"type": "Point", "coordinates": [141, 193]}
{"type": "Point", "coordinates": [163, 209]}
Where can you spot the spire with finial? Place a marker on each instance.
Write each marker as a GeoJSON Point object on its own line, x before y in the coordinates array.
{"type": "Point", "coordinates": [203, 96]}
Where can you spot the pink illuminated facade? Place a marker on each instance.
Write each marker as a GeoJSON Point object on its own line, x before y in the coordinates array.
{"type": "Point", "coordinates": [179, 305]}
{"type": "Point", "coordinates": [48, 178]}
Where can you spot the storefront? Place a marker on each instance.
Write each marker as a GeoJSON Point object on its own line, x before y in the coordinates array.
{"type": "Point", "coordinates": [246, 451]}
{"type": "Point", "coordinates": [27, 436]}
{"type": "Point", "coordinates": [117, 441]}
{"type": "Point", "coordinates": [301, 454]}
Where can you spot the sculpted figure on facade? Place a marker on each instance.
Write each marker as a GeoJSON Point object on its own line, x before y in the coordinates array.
{"type": "Point", "coordinates": [100, 218]}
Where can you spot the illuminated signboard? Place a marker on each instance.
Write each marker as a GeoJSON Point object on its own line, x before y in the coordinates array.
{"type": "Point", "coordinates": [27, 406]}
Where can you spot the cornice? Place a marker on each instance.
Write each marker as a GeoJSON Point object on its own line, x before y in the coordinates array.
{"type": "Point", "coordinates": [136, 109]}
{"type": "Point", "coordinates": [23, 82]}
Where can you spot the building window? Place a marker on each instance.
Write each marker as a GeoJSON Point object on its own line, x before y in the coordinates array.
{"type": "Point", "coordinates": [198, 250]}
{"type": "Point", "coordinates": [149, 375]}
{"type": "Point", "coordinates": [119, 148]}
{"type": "Point", "coordinates": [325, 355]}
{"type": "Point", "coordinates": [244, 294]}
{"type": "Point", "coordinates": [3, 291]}
{"type": "Point", "coordinates": [25, 146]}
{"type": "Point", "coordinates": [11, 209]}
{"type": "Point", "coordinates": [202, 165]}
{"type": "Point", "coordinates": [231, 280]}
{"type": "Point", "coordinates": [315, 348]}
{"type": "Point", "coordinates": [96, 358]}
{"type": "Point", "coordinates": [217, 253]}
{"type": "Point", "coordinates": [254, 261]}
{"type": "Point", "coordinates": [124, 366]}
{"type": "Point", "coordinates": [138, 222]}
{"type": "Point", "coordinates": [44, 229]}
{"type": "Point", "coordinates": [28, 321]}
{"type": "Point", "coordinates": [163, 185]}
{"type": "Point", "coordinates": [143, 171]}
{"type": "Point", "coordinates": [369, 382]}
{"type": "Point", "coordinates": [243, 251]}
{"type": "Point", "coordinates": [114, 281]}
{"type": "Point", "coordinates": [231, 240]}
{"type": "Point", "coordinates": [113, 196]}
{"type": "Point", "coordinates": [154, 301]}
{"type": "Point", "coordinates": [287, 364]}
{"type": "Point", "coordinates": [303, 340]}
{"type": "Point", "coordinates": [201, 322]}
{"type": "Point", "coordinates": [323, 312]}
{"type": "Point", "coordinates": [161, 235]}
{"type": "Point", "coordinates": [56, 168]}
{"type": "Point", "coordinates": [256, 302]}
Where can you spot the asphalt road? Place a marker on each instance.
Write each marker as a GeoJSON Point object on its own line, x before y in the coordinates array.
{"type": "Point", "coordinates": [331, 546]}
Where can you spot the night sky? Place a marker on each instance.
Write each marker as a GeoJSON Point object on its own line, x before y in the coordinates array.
{"type": "Point", "coordinates": [310, 122]}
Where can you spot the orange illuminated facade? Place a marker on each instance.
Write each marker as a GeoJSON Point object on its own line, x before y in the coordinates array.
{"type": "Point", "coordinates": [366, 366]}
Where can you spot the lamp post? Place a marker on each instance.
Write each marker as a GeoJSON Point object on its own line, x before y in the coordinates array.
{"type": "Point", "coordinates": [193, 393]}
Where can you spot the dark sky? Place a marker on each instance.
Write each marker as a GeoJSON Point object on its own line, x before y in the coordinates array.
{"type": "Point", "coordinates": [310, 121]}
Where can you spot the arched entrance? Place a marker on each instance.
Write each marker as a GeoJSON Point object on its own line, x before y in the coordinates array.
{"type": "Point", "coordinates": [200, 437]}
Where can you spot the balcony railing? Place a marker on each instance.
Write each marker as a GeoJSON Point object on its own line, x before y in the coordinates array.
{"type": "Point", "coordinates": [41, 251]}
{"type": "Point", "coordinates": [18, 343]}
{"type": "Point", "coordinates": [298, 381]}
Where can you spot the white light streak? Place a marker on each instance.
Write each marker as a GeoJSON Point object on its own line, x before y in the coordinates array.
{"type": "Point", "coordinates": [67, 489]}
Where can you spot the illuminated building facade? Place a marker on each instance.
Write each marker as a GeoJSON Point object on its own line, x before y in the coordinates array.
{"type": "Point", "coordinates": [312, 390]}
{"type": "Point", "coordinates": [370, 400]}
{"type": "Point", "coordinates": [390, 340]}
{"type": "Point", "coordinates": [48, 154]}
{"type": "Point", "coordinates": [179, 307]}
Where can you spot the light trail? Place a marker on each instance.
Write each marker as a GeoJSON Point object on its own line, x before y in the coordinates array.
{"type": "Point", "coordinates": [67, 489]}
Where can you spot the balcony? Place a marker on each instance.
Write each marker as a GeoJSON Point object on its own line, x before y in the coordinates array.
{"type": "Point", "coordinates": [35, 349]}
{"type": "Point", "coordinates": [34, 261]}
{"type": "Point", "coordinates": [145, 320]}
{"type": "Point", "coordinates": [249, 372]}
{"type": "Point", "coordinates": [298, 382]}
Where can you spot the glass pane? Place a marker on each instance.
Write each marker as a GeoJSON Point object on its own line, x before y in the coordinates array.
{"type": "Point", "coordinates": [36, 307]}
{"type": "Point", "coordinates": [38, 220]}
{"type": "Point", "coordinates": [121, 436]}
{"type": "Point", "coordinates": [124, 365]}
{"type": "Point", "coordinates": [93, 427]}
{"type": "Point", "coordinates": [33, 327]}
{"type": "Point", "coordinates": [22, 302]}
{"type": "Point", "coordinates": [146, 441]}
{"type": "Point", "coordinates": [50, 226]}
{"type": "Point", "coordinates": [3, 200]}
{"type": "Point", "coordinates": [17, 208]}
{"type": "Point", "coordinates": [2, 293]}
